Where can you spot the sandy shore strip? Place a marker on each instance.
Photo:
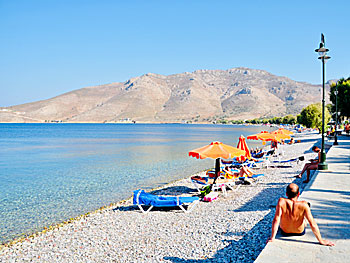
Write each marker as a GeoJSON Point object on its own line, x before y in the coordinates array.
{"type": "Point", "coordinates": [233, 228]}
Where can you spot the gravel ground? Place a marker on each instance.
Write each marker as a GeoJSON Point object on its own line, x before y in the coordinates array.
{"type": "Point", "coordinates": [233, 228]}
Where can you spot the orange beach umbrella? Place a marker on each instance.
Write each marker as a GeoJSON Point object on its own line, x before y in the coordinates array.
{"type": "Point", "coordinates": [216, 150]}
{"type": "Point", "coordinates": [242, 144]}
{"type": "Point", "coordinates": [264, 136]}
{"type": "Point", "coordinates": [283, 130]}
{"type": "Point", "coordinates": [281, 136]}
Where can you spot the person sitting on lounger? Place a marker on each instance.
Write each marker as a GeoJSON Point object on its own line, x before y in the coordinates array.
{"type": "Point", "coordinates": [312, 165]}
{"type": "Point", "coordinates": [274, 144]}
{"type": "Point", "coordinates": [259, 154]}
{"type": "Point", "coordinates": [347, 128]}
{"type": "Point", "coordinates": [229, 175]}
{"type": "Point", "coordinates": [290, 215]}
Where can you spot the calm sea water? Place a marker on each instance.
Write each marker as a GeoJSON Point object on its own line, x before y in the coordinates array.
{"type": "Point", "coordinates": [52, 172]}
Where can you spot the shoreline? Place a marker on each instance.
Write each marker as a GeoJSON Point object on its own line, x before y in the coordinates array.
{"type": "Point", "coordinates": [51, 211]}
{"type": "Point", "coordinates": [125, 210]}
{"type": "Point", "coordinates": [128, 123]}
{"type": "Point", "coordinates": [52, 227]}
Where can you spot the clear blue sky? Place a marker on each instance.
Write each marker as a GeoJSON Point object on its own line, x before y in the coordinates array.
{"type": "Point", "coordinates": [50, 47]}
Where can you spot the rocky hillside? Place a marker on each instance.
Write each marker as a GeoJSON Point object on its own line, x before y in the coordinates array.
{"type": "Point", "coordinates": [201, 96]}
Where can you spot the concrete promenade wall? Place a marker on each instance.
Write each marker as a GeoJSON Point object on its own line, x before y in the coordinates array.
{"type": "Point", "coordinates": [329, 195]}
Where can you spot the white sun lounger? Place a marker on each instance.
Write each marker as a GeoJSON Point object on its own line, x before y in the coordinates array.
{"type": "Point", "coordinates": [229, 183]}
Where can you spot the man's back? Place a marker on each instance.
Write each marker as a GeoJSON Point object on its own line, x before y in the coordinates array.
{"type": "Point", "coordinates": [292, 216]}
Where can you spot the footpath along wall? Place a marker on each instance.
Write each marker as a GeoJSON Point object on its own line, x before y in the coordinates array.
{"type": "Point", "coordinates": [329, 195]}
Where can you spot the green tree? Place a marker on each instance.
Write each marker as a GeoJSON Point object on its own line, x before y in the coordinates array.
{"type": "Point", "coordinates": [311, 116]}
{"type": "Point", "coordinates": [289, 119]}
{"type": "Point", "coordinates": [293, 120]}
{"type": "Point", "coordinates": [222, 121]}
{"type": "Point", "coordinates": [237, 122]}
{"type": "Point", "coordinates": [343, 87]}
{"type": "Point", "coordinates": [329, 107]}
{"type": "Point", "coordinates": [276, 120]}
{"type": "Point", "coordinates": [255, 121]}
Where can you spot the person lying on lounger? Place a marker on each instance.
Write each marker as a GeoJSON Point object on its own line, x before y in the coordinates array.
{"type": "Point", "coordinates": [228, 176]}
{"type": "Point", "coordinates": [312, 165]}
{"type": "Point", "coordinates": [243, 172]}
{"type": "Point", "coordinates": [290, 215]}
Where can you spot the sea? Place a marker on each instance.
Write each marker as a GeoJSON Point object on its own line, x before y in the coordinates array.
{"type": "Point", "coordinates": [50, 173]}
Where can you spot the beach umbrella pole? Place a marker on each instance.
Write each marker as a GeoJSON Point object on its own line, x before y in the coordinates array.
{"type": "Point", "coordinates": [217, 169]}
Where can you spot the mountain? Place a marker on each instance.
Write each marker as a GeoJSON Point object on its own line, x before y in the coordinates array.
{"type": "Point", "coordinates": [201, 96]}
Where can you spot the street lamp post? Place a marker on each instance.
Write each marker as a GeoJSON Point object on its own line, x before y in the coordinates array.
{"type": "Point", "coordinates": [322, 52]}
{"type": "Point", "coordinates": [336, 118]}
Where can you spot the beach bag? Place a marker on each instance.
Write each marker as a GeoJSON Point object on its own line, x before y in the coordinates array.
{"type": "Point", "coordinates": [206, 190]}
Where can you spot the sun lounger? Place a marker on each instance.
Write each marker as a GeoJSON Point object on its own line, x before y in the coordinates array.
{"type": "Point", "coordinates": [253, 163]}
{"type": "Point", "coordinates": [263, 153]}
{"type": "Point", "coordinates": [220, 184]}
{"type": "Point", "coordinates": [275, 160]}
{"type": "Point", "coordinates": [223, 174]}
{"type": "Point", "coordinates": [290, 162]}
{"type": "Point", "coordinates": [147, 199]}
{"type": "Point", "coordinates": [254, 176]}
{"type": "Point", "coordinates": [236, 164]}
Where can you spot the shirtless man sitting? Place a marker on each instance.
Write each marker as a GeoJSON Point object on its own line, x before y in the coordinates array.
{"type": "Point", "coordinates": [290, 215]}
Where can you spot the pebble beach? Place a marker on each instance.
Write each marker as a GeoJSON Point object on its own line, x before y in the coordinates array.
{"type": "Point", "coordinates": [233, 228]}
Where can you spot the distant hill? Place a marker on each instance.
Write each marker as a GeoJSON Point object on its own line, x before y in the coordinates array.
{"type": "Point", "coordinates": [201, 96]}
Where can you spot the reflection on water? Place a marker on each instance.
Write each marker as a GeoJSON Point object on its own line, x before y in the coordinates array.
{"type": "Point", "coordinates": [52, 172]}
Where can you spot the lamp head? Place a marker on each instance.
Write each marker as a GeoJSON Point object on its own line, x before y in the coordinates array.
{"type": "Point", "coordinates": [322, 51]}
